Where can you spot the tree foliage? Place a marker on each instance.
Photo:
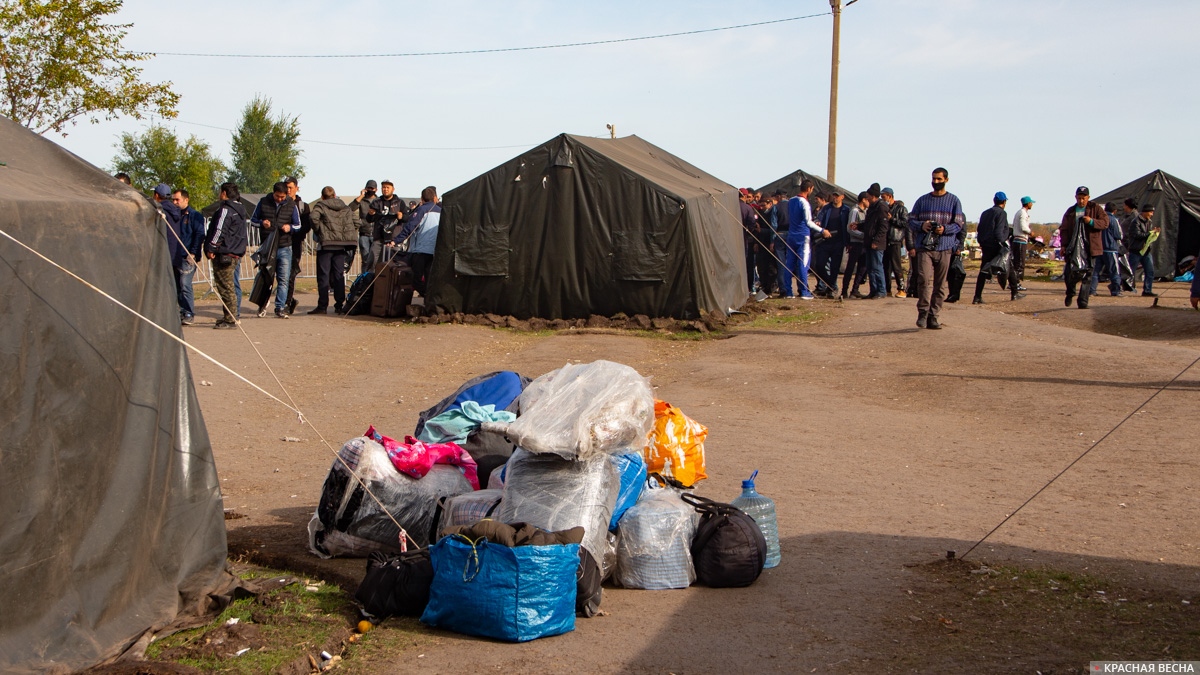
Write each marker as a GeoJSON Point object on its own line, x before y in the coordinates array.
{"type": "Point", "coordinates": [157, 156]}
{"type": "Point", "coordinates": [264, 149]}
{"type": "Point", "coordinates": [61, 61]}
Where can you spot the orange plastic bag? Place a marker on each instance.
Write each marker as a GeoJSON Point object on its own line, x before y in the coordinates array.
{"type": "Point", "coordinates": [676, 446]}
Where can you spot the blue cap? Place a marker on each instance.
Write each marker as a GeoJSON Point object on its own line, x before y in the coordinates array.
{"type": "Point", "coordinates": [750, 483]}
{"type": "Point", "coordinates": [162, 190]}
{"type": "Point", "coordinates": [1025, 201]}
{"type": "Point", "coordinates": [1000, 197]}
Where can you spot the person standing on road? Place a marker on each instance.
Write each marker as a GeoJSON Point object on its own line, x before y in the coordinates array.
{"type": "Point", "coordinates": [191, 230]}
{"type": "Point", "coordinates": [424, 224]}
{"type": "Point", "coordinates": [277, 214]}
{"type": "Point", "coordinates": [779, 246]}
{"type": "Point", "coordinates": [177, 250]}
{"type": "Point", "coordinates": [298, 237]}
{"type": "Point", "coordinates": [993, 233]}
{"type": "Point", "coordinates": [936, 220]}
{"type": "Point", "coordinates": [827, 252]}
{"type": "Point", "coordinates": [802, 226]}
{"type": "Point", "coordinates": [897, 243]}
{"type": "Point", "coordinates": [335, 233]}
{"type": "Point", "coordinates": [1082, 230]}
{"type": "Point", "coordinates": [1020, 238]}
{"type": "Point", "coordinates": [1111, 241]}
{"type": "Point", "coordinates": [1138, 228]}
{"type": "Point", "coordinates": [362, 207]}
{"type": "Point", "coordinates": [224, 245]}
{"type": "Point", "coordinates": [875, 234]}
{"type": "Point", "coordinates": [856, 264]}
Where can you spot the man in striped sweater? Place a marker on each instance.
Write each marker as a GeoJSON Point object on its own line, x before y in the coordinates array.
{"type": "Point", "coordinates": [935, 220]}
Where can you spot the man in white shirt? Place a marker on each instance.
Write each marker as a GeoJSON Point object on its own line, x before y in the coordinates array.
{"type": "Point", "coordinates": [1020, 238]}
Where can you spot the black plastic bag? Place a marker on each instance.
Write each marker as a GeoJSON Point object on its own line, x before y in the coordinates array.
{"type": "Point", "coordinates": [729, 549]}
{"type": "Point", "coordinates": [396, 584]}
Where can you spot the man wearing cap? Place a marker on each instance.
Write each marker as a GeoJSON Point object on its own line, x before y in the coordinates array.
{"type": "Point", "coordinates": [191, 229]}
{"type": "Point", "coordinates": [1020, 238]}
{"type": "Point", "coordinates": [875, 234]}
{"type": "Point", "coordinates": [993, 233]}
{"type": "Point", "coordinates": [362, 204]}
{"type": "Point", "coordinates": [1138, 228]}
{"type": "Point", "coordinates": [385, 212]}
{"type": "Point", "coordinates": [898, 241]}
{"type": "Point", "coordinates": [1082, 226]}
{"type": "Point", "coordinates": [936, 220]}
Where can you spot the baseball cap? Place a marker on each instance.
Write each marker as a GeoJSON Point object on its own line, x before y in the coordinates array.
{"type": "Point", "coordinates": [1082, 190]}
{"type": "Point", "coordinates": [372, 185]}
{"type": "Point", "coordinates": [1026, 201]}
{"type": "Point", "coordinates": [162, 190]}
{"type": "Point", "coordinates": [387, 182]}
{"type": "Point", "coordinates": [1000, 197]}
{"type": "Point", "coordinates": [745, 192]}
{"type": "Point", "coordinates": [1147, 208]}
{"type": "Point", "coordinates": [889, 192]}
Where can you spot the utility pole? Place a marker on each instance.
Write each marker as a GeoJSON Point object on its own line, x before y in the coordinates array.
{"type": "Point", "coordinates": [836, 6]}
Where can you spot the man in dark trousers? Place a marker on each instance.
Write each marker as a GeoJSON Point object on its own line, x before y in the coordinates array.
{"type": "Point", "coordinates": [191, 230]}
{"type": "Point", "coordinates": [298, 237]}
{"type": "Point", "coordinates": [779, 246]}
{"type": "Point", "coordinates": [362, 206]}
{"type": "Point", "coordinates": [277, 215]}
{"type": "Point", "coordinates": [827, 252]}
{"type": "Point", "coordinates": [875, 234]}
{"type": "Point", "coordinates": [1138, 229]}
{"type": "Point", "coordinates": [898, 241]}
{"type": "Point", "coordinates": [175, 245]}
{"type": "Point", "coordinates": [993, 234]}
{"type": "Point", "coordinates": [1082, 231]}
{"type": "Point", "coordinates": [224, 245]}
{"type": "Point", "coordinates": [385, 212]}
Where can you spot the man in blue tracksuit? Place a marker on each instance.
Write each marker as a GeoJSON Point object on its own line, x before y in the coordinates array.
{"type": "Point", "coordinates": [801, 226]}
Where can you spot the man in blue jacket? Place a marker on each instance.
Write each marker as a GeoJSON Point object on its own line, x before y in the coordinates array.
{"type": "Point", "coordinates": [177, 250]}
{"type": "Point", "coordinates": [1111, 238]}
{"type": "Point", "coordinates": [799, 254]}
{"type": "Point", "coordinates": [191, 230]}
{"type": "Point", "coordinates": [827, 253]}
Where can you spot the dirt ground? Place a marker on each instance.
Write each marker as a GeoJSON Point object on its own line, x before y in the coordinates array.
{"type": "Point", "coordinates": [884, 447]}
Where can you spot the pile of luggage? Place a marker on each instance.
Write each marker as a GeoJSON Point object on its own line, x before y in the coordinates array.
{"type": "Point", "coordinates": [514, 500]}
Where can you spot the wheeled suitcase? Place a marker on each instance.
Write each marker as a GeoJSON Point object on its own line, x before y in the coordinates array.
{"type": "Point", "coordinates": [393, 286]}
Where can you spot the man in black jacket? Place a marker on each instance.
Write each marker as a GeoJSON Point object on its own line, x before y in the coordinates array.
{"type": "Point", "coordinates": [993, 233]}
{"type": "Point", "coordinates": [827, 253]}
{"type": "Point", "coordinates": [224, 245]}
{"type": "Point", "coordinates": [898, 240]}
{"type": "Point", "coordinates": [875, 233]}
{"type": "Point", "coordinates": [385, 212]}
{"type": "Point", "coordinates": [278, 216]}
{"type": "Point", "coordinates": [298, 237]}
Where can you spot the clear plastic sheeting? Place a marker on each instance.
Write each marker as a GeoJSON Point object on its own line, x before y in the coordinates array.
{"type": "Point", "coordinates": [654, 542]}
{"type": "Point", "coordinates": [582, 411]}
{"type": "Point", "coordinates": [348, 522]}
{"type": "Point", "coordinates": [556, 494]}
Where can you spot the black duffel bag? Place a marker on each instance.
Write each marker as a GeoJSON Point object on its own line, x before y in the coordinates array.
{"type": "Point", "coordinates": [729, 549]}
{"type": "Point", "coordinates": [396, 584]}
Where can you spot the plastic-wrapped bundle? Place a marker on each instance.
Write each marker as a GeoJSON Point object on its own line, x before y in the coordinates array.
{"type": "Point", "coordinates": [470, 508]}
{"type": "Point", "coordinates": [581, 411]}
{"type": "Point", "coordinates": [654, 542]}
{"type": "Point", "coordinates": [557, 494]}
{"type": "Point", "coordinates": [349, 523]}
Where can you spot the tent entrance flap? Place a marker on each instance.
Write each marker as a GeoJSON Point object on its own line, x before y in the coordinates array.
{"type": "Point", "coordinates": [482, 249]}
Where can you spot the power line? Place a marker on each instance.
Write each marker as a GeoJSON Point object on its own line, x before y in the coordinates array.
{"type": "Point", "coordinates": [564, 45]}
{"type": "Point", "coordinates": [370, 146]}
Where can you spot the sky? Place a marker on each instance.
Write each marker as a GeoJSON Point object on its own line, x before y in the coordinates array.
{"type": "Point", "coordinates": [1031, 97]}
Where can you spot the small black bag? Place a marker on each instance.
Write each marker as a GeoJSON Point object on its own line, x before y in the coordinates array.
{"type": "Point", "coordinates": [729, 549]}
{"type": "Point", "coordinates": [396, 584]}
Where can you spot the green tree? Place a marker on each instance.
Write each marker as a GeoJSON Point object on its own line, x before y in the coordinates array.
{"type": "Point", "coordinates": [157, 156]}
{"type": "Point", "coordinates": [61, 61]}
{"type": "Point", "coordinates": [264, 149]}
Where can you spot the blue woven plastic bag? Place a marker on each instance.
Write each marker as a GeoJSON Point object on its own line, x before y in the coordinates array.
{"type": "Point", "coordinates": [513, 594]}
{"type": "Point", "coordinates": [632, 468]}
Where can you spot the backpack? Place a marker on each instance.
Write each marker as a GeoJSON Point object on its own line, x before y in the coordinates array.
{"type": "Point", "coordinates": [361, 293]}
{"type": "Point", "coordinates": [396, 584]}
{"type": "Point", "coordinates": [729, 549]}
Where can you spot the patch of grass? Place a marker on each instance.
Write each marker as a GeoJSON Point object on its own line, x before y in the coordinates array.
{"type": "Point", "coordinates": [279, 627]}
{"type": "Point", "coordinates": [784, 320]}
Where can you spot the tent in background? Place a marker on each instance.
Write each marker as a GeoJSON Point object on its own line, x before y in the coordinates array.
{"type": "Point", "coordinates": [1176, 211]}
{"type": "Point", "coordinates": [580, 226]}
{"type": "Point", "coordinates": [791, 185]}
{"type": "Point", "coordinates": [111, 519]}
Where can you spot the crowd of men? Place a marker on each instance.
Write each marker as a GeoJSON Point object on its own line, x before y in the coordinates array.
{"type": "Point", "coordinates": [376, 227]}
{"type": "Point", "coordinates": [814, 234]}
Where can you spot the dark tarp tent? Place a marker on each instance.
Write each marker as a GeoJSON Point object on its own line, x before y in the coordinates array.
{"type": "Point", "coordinates": [111, 520]}
{"type": "Point", "coordinates": [1176, 211]}
{"type": "Point", "coordinates": [580, 226]}
{"type": "Point", "coordinates": [791, 185]}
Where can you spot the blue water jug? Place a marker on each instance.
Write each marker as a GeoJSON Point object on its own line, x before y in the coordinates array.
{"type": "Point", "coordinates": [762, 509]}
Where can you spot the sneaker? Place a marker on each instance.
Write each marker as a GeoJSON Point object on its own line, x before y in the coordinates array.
{"type": "Point", "coordinates": [187, 319]}
{"type": "Point", "coordinates": [922, 319]}
{"type": "Point", "coordinates": [1067, 301]}
{"type": "Point", "coordinates": [901, 294]}
{"type": "Point", "coordinates": [224, 325]}
{"type": "Point", "coordinates": [806, 297]}
{"type": "Point", "coordinates": [338, 309]}
{"type": "Point", "coordinates": [857, 296]}
{"type": "Point", "coordinates": [1017, 296]}
{"type": "Point", "coordinates": [977, 301]}
{"type": "Point", "coordinates": [319, 310]}
{"type": "Point", "coordinates": [280, 314]}
{"type": "Point", "coordinates": [1118, 295]}
{"type": "Point", "coordinates": [932, 323]}
{"type": "Point", "coordinates": [1021, 288]}
{"type": "Point", "coordinates": [1149, 294]}
{"type": "Point", "coordinates": [262, 312]}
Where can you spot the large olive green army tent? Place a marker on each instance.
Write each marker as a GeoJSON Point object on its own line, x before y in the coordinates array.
{"type": "Point", "coordinates": [1176, 211]}
{"type": "Point", "coordinates": [111, 520]}
{"type": "Point", "coordinates": [579, 226]}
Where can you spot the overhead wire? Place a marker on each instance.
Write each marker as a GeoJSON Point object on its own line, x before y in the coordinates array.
{"type": "Point", "coordinates": [496, 50]}
{"type": "Point", "coordinates": [372, 146]}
